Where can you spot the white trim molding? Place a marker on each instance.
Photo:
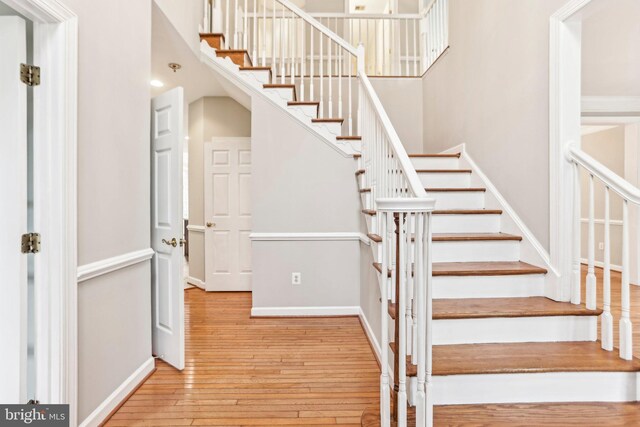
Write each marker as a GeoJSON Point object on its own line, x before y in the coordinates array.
{"type": "Point", "coordinates": [305, 311]}
{"type": "Point", "coordinates": [196, 228]}
{"type": "Point", "coordinates": [109, 265]}
{"type": "Point", "coordinates": [621, 105]}
{"type": "Point", "coordinates": [309, 237]}
{"type": "Point", "coordinates": [370, 335]}
{"type": "Point", "coordinates": [196, 282]}
{"type": "Point", "coordinates": [119, 395]}
{"type": "Point", "coordinates": [598, 221]}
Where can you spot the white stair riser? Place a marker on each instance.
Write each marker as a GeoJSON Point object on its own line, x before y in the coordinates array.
{"type": "Point", "coordinates": [435, 162]}
{"type": "Point", "coordinates": [536, 387]}
{"type": "Point", "coordinates": [280, 94]}
{"type": "Point", "coordinates": [307, 111]}
{"type": "Point", "coordinates": [456, 287]}
{"type": "Point", "coordinates": [262, 77]}
{"type": "Point", "coordinates": [329, 129]}
{"type": "Point", "coordinates": [458, 199]}
{"type": "Point", "coordinates": [479, 251]}
{"type": "Point", "coordinates": [513, 330]}
{"type": "Point", "coordinates": [466, 223]}
{"type": "Point", "coordinates": [445, 180]}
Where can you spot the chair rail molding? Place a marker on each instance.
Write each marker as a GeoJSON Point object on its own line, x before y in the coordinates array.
{"type": "Point", "coordinates": [309, 237]}
{"type": "Point", "coordinates": [55, 46]}
{"type": "Point", "coordinates": [109, 265]}
{"type": "Point", "coordinates": [611, 104]}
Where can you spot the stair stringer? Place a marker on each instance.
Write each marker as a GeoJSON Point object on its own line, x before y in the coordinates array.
{"type": "Point", "coordinates": [531, 250]}
{"type": "Point", "coordinates": [243, 89]}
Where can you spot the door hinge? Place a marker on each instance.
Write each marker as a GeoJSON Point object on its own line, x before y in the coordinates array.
{"type": "Point", "coordinates": [30, 243]}
{"type": "Point", "coordinates": [30, 74]}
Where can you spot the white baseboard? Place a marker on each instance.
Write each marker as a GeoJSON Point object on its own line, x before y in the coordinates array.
{"type": "Point", "coordinates": [370, 335]}
{"type": "Point", "coordinates": [196, 282]}
{"type": "Point", "coordinates": [110, 403]}
{"type": "Point", "coordinates": [304, 311]}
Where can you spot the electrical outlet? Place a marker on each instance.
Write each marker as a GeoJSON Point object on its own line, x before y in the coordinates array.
{"type": "Point", "coordinates": [601, 246]}
{"type": "Point", "coordinates": [296, 278]}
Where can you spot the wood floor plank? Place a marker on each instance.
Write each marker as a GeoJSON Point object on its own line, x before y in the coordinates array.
{"type": "Point", "coordinates": [258, 372]}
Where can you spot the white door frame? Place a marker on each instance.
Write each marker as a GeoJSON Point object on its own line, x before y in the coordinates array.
{"type": "Point", "coordinates": [55, 198]}
{"type": "Point", "coordinates": [565, 79]}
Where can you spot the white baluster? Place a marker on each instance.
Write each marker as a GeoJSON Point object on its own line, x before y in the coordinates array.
{"type": "Point", "coordinates": [340, 55]}
{"type": "Point", "coordinates": [312, 53]}
{"type": "Point", "coordinates": [245, 34]}
{"type": "Point", "coordinates": [421, 399]}
{"type": "Point", "coordinates": [227, 35]}
{"type": "Point", "coordinates": [401, 348]}
{"type": "Point", "coordinates": [303, 60]}
{"type": "Point", "coordinates": [321, 76]}
{"type": "Point", "coordinates": [429, 316]}
{"type": "Point", "coordinates": [591, 273]}
{"type": "Point", "coordinates": [626, 338]}
{"type": "Point", "coordinates": [283, 69]}
{"type": "Point", "coordinates": [330, 72]}
{"type": "Point", "coordinates": [292, 47]}
{"type": "Point", "coordinates": [385, 387]}
{"type": "Point", "coordinates": [575, 280]}
{"type": "Point", "coordinates": [415, 49]}
{"type": "Point", "coordinates": [273, 44]}
{"type": "Point", "coordinates": [350, 97]}
{"type": "Point", "coordinates": [406, 46]}
{"type": "Point", "coordinates": [264, 33]}
{"type": "Point", "coordinates": [606, 318]}
{"type": "Point", "coordinates": [235, 25]}
{"type": "Point", "coordinates": [255, 31]}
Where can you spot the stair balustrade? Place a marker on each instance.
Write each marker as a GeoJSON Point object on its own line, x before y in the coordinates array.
{"type": "Point", "coordinates": [630, 195]}
{"type": "Point", "coordinates": [396, 44]}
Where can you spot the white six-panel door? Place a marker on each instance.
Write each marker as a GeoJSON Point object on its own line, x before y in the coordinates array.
{"type": "Point", "coordinates": [227, 213]}
{"type": "Point", "coordinates": [13, 214]}
{"type": "Point", "coordinates": [167, 290]}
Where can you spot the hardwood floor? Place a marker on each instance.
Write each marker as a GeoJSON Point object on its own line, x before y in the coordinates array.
{"type": "Point", "coordinates": [251, 372]}
{"type": "Point", "coordinates": [242, 371]}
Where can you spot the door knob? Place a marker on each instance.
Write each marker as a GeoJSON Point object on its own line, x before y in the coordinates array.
{"type": "Point", "coordinates": [182, 242]}
{"type": "Point", "coordinates": [211, 224]}
{"type": "Point", "coordinates": [173, 242]}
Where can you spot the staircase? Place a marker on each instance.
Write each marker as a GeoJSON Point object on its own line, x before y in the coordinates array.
{"type": "Point", "coordinates": [496, 338]}
{"type": "Point", "coordinates": [464, 319]}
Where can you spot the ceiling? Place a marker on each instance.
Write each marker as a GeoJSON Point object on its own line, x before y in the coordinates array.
{"type": "Point", "coordinates": [167, 46]}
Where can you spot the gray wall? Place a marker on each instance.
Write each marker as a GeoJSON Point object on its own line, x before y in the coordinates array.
{"type": "Point", "coordinates": [113, 192]}
{"type": "Point", "coordinates": [490, 92]}
{"type": "Point", "coordinates": [607, 147]}
{"type": "Point", "coordinates": [300, 184]}
{"type": "Point", "coordinates": [208, 117]}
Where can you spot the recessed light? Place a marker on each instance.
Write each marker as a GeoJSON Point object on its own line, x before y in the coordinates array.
{"type": "Point", "coordinates": [156, 83]}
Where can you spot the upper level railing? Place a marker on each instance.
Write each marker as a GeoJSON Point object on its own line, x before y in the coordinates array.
{"type": "Point", "coordinates": [395, 44]}
{"type": "Point", "coordinates": [628, 195]}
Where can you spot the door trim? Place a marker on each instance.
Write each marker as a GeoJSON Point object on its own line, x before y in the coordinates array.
{"type": "Point", "coordinates": [55, 198]}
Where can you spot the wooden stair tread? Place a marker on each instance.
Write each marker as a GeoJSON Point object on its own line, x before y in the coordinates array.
{"type": "Point", "coordinates": [349, 138]}
{"type": "Point", "coordinates": [255, 69]}
{"type": "Point", "coordinates": [282, 86]}
{"type": "Point", "coordinates": [435, 155]}
{"type": "Point", "coordinates": [412, 370]}
{"type": "Point", "coordinates": [443, 170]}
{"type": "Point", "coordinates": [328, 120]}
{"type": "Point", "coordinates": [370, 212]}
{"type": "Point", "coordinates": [468, 212]}
{"type": "Point", "coordinates": [212, 35]}
{"type": "Point", "coordinates": [360, 172]}
{"type": "Point", "coordinates": [233, 51]}
{"type": "Point", "coordinates": [469, 359]}
{"type": "Point", "coordinates": [355, 156]}
{"type": "Point", "coordinates": [455, 190]}
{"type": "Point", "coordinates": [485, 308]}
{"type": "Point", "coordinates": [512, 268]}
{"type": "Point", "coordinates": [365, 190]}
{"type": "Point", "coordinates": [473, 237]}
{"type": "Point", "coordinates": [303, 103]}
{"type": "Point", "coordinates": [233, 54]}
